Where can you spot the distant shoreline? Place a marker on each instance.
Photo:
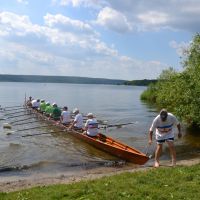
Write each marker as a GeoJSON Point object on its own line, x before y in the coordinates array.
{"type": "Point", "coordinates": [58, 79]}
{"type": "Point", "coordinates": [70, 79]}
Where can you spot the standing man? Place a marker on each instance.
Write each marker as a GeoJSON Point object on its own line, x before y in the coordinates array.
{"type": "Point", "coordinates": [164, 125]}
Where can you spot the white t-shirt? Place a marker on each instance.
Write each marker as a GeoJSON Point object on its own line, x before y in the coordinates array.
{"type": "Point", "coordinates": [92, 127]}
{"type": "Point", "coordinates": [164, 129]}
{"type": "Point", "coordinates": [66, 118]}
{"type": "Point", "coordinates": [79, 121]}
{"type": "Point", "coordinates": [35, 104]}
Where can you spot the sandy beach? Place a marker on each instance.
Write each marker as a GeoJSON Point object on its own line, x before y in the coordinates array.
{"type": "Point", "coordinates": [16, 183]}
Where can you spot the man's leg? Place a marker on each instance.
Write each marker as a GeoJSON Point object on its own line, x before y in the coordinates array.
{"type": "Point", "coordinates": [157, 155]}
{"type": "Point", "coordinates": [172, 152]}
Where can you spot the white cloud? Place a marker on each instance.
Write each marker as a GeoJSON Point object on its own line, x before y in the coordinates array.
{"type": "Point", "coordinates": [84, 3]}
{"type": "Point", "coordinates": [153, 18]}
{"type": "Point", "coordinates": [113, 20]}
{"type": "Point", "coordinates": [143, 15]}
{"type": "Point", "coordinates": [23, 1]}
{"type": "Point", "coordinates": [64, 46]}
{"type": "Point", "coordinates": [66, 24]}
{"type": "Point", "coordinates": [152, 15]}
{"type": "Point", "coordinates": [181, 48]}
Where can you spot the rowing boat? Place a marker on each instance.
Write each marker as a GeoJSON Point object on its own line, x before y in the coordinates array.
{"type": "Point", "coordinates": [102, 142]}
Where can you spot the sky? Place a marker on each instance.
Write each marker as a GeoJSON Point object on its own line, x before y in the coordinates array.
{"type": "Point", "coordinates": [115, 39]}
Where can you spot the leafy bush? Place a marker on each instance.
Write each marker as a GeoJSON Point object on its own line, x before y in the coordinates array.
{"type": "Point", "coordinates": [180, 92]}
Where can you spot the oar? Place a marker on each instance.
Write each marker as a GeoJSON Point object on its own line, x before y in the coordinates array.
{"type": "Point", "coordinates": [13, 106]}
{"type": "Point", "coordinates": [25, 129]}
{"type": "Point", "coordinates": [15, 112]}
{"type": "Point", "coordinates": [43, 133]}
{"type": "Point", "coordinates": [27, 122]}
{"type": "Point", "coordinates": [29, 135]}
{"type": "Point", "coordinates": [18, 115]}
{"type": "Point", "coordinates": [13, 109]}
{"type": "Point", "coordinates": [116, 125]}
{"type": "Point", "coordinates": [13, 122]}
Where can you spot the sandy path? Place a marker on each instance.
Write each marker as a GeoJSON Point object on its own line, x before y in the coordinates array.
{"type": "Point", "coordinates": [15, 183]}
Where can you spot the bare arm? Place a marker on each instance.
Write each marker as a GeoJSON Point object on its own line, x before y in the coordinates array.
{"type": "Point", "coordinates": [72, 125]}
{"type": "Point", "coordinates": [150, 137]}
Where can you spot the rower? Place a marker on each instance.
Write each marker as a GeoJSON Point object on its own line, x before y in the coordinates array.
{"type": "Point", "coordinates": [35, 103]}
{"type": "Point", "coordinates": [77, 123]}
{"type": "Point", "coordinates": [48, 109]}
{"type": "Point", "coordinates": [56, 112]}
{"type": "Point", "coordinates": [42, 106]}
{"type": "Point", "coordinates": [65, 117]}
{"type": "Point", "coordinates": [91, 125]}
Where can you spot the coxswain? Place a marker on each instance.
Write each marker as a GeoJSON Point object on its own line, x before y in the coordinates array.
{"type": "Point", "coordinates": [28, 103]}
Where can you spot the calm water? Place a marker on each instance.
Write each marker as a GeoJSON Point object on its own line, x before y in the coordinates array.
{"type": "Point", "coordinates": [24, 156]}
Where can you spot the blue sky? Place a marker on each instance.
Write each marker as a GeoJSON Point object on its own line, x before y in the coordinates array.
{"type": "Point", "coordinates": [116, 39]}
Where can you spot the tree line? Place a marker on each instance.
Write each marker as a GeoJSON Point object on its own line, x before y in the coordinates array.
{"type": "Point", "coordinates": [179, 92]}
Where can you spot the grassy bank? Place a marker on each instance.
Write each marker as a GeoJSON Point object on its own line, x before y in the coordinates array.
{"type": "Point", "coordinates": [163, 183]}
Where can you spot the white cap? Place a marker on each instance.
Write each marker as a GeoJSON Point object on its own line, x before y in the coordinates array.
{"type": "Point", "coordinates": [89, 115]}
{"type": "Point", "coordinates": [53, 104]}
{"type": "Point", "coordinates": [75, 110]}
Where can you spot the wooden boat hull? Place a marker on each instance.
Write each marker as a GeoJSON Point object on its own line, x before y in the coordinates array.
{"type": "Point", "coordinates": [104, 143]}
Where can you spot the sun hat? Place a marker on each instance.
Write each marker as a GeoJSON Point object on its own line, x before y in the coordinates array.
{"type": "Point", "coordinates": [89, 115]}
{"type": "Point", "coordinates": [75, 110]}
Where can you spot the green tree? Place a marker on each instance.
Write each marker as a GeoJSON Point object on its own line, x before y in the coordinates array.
{"type": "Point", "coordinates": [179, 92]}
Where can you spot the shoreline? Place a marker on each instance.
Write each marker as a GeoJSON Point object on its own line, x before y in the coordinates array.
{"type": "Point", "coordinates": [17, 184]}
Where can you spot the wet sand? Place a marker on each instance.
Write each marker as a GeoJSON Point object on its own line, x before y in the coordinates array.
{"type": "Point", "coordinates": [8, 184]}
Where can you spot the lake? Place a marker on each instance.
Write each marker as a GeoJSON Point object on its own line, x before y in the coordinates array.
{"type": "Point", "coordinates": [56, 153]}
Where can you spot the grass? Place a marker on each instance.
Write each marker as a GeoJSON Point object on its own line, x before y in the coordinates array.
{"type": "Point", "coordinates": [160, 184]}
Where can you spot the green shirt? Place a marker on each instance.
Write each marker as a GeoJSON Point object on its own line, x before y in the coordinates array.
{"type": "Point", "coordinates": [49, 109]}
{"type": "Point", "coordinates": [43, 106]}
{"type": "Point", "coordinates": [56, 113]}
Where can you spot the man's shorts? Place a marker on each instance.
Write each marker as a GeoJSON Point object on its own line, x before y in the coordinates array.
{"type": "Point", "coordinates": [164, 140]}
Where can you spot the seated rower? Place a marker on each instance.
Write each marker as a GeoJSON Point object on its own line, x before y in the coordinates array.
{"type": "Point", "coordinates": [35, 103]}
{"type": "Point", "coordinates": [77, 123]}
{"type": "Point", "coordinates": [56, 112]}
{"type": "Point", "coordinates": [65, 117]}
{"type": "Point", "coordinates": [48, 109]}
{"type": "Point", "coordinates": [91, 125]}
{"type": "Point", "coordinates": [42, 106]}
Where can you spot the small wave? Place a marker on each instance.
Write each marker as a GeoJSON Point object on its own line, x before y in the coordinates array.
{"type": "Point", "coordinates": [85, 165]}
